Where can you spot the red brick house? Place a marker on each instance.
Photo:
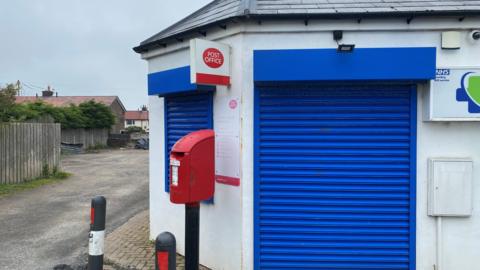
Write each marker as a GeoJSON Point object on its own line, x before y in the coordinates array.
{"type": "Point", "coordinates": [137, 118]}
{"type": "Point", "coordinates": [62, 101]}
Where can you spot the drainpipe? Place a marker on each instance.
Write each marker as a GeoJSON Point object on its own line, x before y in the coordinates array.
{"type": "Point", "coordinates": [439, 247]}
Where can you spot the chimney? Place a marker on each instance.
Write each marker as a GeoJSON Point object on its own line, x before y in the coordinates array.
{"type": "Point", "coordinates": [47, 93]}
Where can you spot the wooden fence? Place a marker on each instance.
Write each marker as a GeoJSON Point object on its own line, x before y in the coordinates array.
{"type": "Point", "coordinates": [87, 137]}
{"type": "Point", "coordinates": [26, 148]}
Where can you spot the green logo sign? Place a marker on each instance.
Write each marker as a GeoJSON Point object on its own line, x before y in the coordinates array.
{"type": "Point", "coordinates": [470, 92]}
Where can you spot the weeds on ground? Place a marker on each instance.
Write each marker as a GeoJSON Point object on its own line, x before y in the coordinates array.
{"type": "Point", "coordinates": [48, 177]}
{"type": "Point", "coordinates": [96, 148]}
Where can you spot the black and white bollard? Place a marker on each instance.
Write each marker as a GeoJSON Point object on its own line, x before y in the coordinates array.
{"type": "Point", "coordinates": [165, 252]}
{"type": "Point", "coordinates": [97, 233]}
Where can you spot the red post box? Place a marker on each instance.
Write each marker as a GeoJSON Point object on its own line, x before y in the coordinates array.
{"type": "Point", "coordinates": [192, 168]}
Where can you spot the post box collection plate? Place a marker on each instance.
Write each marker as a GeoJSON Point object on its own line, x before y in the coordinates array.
{"type": "Point", "coordinates": [174, 165]}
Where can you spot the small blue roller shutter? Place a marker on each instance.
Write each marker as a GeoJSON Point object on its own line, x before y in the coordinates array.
{"type": "Point", "coordinates": [184, 114]}
{"type": "Point", "coordinates": [335, 177]}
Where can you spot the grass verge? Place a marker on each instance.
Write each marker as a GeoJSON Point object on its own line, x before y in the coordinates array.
{"type": "Point", "coordinates": [6, 189]}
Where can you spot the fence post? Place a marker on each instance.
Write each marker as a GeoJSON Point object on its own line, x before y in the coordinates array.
{"type": "Point", "coordinates": [97, 233]}
{"type": "Point", "coordinates": [165, 252]}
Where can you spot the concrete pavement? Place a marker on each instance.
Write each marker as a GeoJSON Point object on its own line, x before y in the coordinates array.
{"type": "Point", "coordinates": [48, 226]}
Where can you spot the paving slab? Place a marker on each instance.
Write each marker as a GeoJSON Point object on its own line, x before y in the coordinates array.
{"type": "Point", "coordinates": [129, 246]}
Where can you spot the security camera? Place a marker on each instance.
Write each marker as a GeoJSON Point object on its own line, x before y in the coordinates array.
{"type": "Point", "coordinates": [475, 34]}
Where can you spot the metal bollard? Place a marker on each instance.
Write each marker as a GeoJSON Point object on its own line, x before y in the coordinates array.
{"type": "Point", "coordinates": [96, 237]}
{"type": "Point", "coordinates": [165, 252]}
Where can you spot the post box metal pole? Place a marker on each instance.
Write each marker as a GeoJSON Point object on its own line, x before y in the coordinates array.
{"type": "Point", "coordinates": [192, 235]}
{"type": "Point", "coordinates": [165, 252]}
{"type": "Point", "coordinates": [192, 180]}
{"type": "Point", "coordinates": [97, 233]}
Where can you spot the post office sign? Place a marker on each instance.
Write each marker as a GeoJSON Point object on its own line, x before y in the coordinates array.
{"type": "Point", "coordinates": [209, 62]}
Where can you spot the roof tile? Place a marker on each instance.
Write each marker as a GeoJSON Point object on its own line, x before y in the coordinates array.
{"type": "Point", "coordinates": [136, 115]}
{"type": "Point", "coordinates": [220, 10]}
{"type": "Point", "coordinates": [64, 101]}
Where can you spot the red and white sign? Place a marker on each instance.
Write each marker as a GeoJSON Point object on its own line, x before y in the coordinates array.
{"type": "Point", "coordinates": [226, 180]}
{"type": "Point", "coordinates": [213, 58]}
{"type": "Point", "coordinates": [209, 63]}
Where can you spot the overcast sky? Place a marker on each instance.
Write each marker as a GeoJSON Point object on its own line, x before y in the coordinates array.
{"type": "Point", "coordinates": [83, 47]}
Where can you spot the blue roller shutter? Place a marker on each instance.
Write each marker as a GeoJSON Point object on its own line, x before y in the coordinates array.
{"type": "Point", "coordinates": [335, 177]}
{"type": "Point", "coordinates": [184, 114]}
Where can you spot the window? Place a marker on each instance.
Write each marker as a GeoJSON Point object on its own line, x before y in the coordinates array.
{"type": "Point", "coordinates": [184, 114]}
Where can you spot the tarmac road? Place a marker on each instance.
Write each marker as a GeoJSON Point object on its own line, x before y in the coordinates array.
{"type": "Point", "coordinates": [48, 226]}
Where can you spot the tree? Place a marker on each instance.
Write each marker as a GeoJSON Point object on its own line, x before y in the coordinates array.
{"type": "Point", "coordinates": [89, 114]}
{"type": "Point", "coordinates": [39, 109]}
{"type": "Point", "coordinates": [73, 117]}
{"type": "Point", "coordinates": [134, 129]}
{"type": "Point", "coordinates": [98, 115]}
{"type": "Point", "coordinates": [7, 102]}
{"type": "Point", "coordinates": [23, 112]}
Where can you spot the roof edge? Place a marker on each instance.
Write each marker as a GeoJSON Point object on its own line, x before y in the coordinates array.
{"type": "Point", "coordinates": [145, 47]}
{"type": "Point", "coordinates": [117, 98]}
{"type": "Point", "coordinates": [155, 44]}
{"type": "Point", "coordinates": [212, 3]}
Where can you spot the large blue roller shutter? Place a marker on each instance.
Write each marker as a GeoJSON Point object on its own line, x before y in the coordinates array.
{"type": "Point", "coordinates": [335, 177]}
{"type": "Point", "coordinates": [185, 113]}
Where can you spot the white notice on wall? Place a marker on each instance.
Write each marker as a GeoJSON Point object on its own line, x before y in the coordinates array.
{"type": "Point", "coordinates": [227, 141]}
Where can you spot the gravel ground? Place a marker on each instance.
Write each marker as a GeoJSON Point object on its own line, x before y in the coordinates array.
{"type": "Point", "coordinates": [48, 226]}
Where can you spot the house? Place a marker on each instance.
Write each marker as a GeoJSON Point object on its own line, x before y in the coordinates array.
{"type": "Point", "coordinates": [346, 138]}
{"type": "Point", "coordinates": [137, 119]}
{"type": "Point", "coordinates": [113, 102]}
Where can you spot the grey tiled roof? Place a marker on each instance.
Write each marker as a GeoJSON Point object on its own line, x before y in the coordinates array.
{"type": "Point", "coordinates": [215, 11]}
{"type": "Point", "coordinates": [362, 6]}
{"type": "Point", "coordinates": [222, 10]}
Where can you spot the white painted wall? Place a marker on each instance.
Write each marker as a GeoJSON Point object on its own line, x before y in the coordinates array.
{"type": "Point", "coordinates": [220, 223]}
{"type": "Point", "coordinates": [461, 247]}
{"type": "Point", "coordinates": [227, 226]}
{"type": "Point", "coordinates": [462, 236]}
